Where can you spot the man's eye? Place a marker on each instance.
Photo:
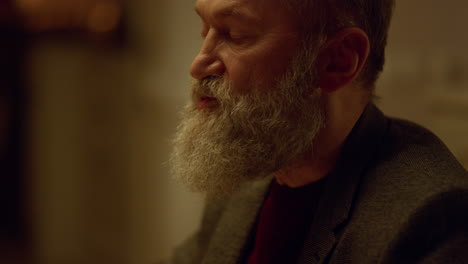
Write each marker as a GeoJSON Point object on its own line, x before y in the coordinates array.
{"type": "Point", "coordinates": [236, 38]}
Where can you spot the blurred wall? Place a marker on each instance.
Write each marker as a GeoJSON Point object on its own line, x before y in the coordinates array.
{"type": "Point", "coordinates": [426, 76]}
{"type": "Point", "coordinates": [102, 121]}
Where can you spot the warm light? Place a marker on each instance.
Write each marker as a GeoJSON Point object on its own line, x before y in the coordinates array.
{"type": "Point", "coordinates": [98, 16]}
{"type": "Point", "coordinates": [104, 17]}
{"type": "Point", "coordinates": [29, 6]}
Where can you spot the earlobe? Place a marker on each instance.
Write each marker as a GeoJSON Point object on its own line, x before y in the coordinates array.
{"type": "Point", "coordinates": [343, 59]}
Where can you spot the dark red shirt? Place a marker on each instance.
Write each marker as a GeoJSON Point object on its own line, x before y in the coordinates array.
{"type": "Point", "coordinates": [283, 223]}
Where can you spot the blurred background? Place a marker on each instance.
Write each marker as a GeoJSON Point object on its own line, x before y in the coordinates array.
{"type": "Point", "coordinates": [89, 95]}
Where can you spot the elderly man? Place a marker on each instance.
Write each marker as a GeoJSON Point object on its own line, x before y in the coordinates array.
{"type": "Point", "coordinates": [297, 164]}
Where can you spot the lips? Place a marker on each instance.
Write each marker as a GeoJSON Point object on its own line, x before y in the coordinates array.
{"type": "Point", "coordinates": [206, 102]}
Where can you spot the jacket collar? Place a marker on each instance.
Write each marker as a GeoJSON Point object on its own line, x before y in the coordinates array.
{"type": "Point", "coordinates": [340, 190]}
{"type": "Point", "coordinates": [234, 230]}
{"type": "Point", "coordinates": [235, 226]}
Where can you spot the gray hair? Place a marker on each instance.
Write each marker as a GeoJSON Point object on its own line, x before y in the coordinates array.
{"type": "Point", "coordinates": [320, 19]}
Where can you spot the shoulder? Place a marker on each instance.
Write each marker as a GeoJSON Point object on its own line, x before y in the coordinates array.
{"type": "Point", "coordinates": [411, 157]}
{"type": "Point", "coordinates": [413, 196]}
{"type": "Point", "coordinates": [411, 167]}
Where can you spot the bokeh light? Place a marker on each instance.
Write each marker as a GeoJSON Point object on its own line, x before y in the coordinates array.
{"type": "Point", "coordinates": [93, 16]}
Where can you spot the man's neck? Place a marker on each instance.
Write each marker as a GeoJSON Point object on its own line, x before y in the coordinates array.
{"type": "Point", "coordinates": [341, 114]}
{"type": "Point", "coordinates": [307, 170]}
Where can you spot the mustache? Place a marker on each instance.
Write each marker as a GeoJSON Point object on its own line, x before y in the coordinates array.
{"type": "Point", "coordinates": [214, 86]}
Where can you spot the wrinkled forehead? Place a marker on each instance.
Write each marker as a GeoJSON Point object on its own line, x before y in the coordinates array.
{"type": "Point", "coordinates": [260, 9]}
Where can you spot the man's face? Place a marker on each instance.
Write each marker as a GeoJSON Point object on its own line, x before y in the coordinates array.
{"type": "Point", "coordinates": [254, 107]}
{"type": "Point", "coordinates": [248, 42]}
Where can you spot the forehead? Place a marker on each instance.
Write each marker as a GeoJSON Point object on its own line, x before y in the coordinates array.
{"type": "Point", "coordinates": [244, 8]}
{"type": "Point", "coordinates": [223, 3]}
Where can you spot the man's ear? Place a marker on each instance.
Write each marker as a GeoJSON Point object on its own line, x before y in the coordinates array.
{"type": "Point", "coordinates": [342, 59]}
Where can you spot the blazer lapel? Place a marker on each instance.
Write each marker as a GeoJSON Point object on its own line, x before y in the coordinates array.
{"type": "Point", "coordinates": [334, 206]}
{"type": "Point", "coordinates": [236, 224]}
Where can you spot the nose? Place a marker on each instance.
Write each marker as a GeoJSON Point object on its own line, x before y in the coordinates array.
{"type": "Point", "coordinates": [207, 62]}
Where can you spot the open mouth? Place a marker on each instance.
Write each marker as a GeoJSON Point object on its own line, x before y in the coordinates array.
{"type": "Point", "coordinates": [206, 102]}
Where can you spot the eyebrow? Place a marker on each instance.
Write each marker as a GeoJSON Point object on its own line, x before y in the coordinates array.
{"type": "Point", "coordinates": [230, 11]}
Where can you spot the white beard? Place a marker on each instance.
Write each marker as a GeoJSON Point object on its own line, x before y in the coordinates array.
{"type": "Point", "coordinates": [247, 136]}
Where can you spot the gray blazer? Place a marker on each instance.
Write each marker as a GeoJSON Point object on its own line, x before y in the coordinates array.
{"type": "Point", "coordinates": [397, 195]}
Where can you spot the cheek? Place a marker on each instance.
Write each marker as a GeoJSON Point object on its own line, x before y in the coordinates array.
{"type": "Point", "coordinates": [241, 70]}
{"type": "Point", "coordinates": [259, 66]}
{"type": "Point", "coordinates": [277, 57]}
